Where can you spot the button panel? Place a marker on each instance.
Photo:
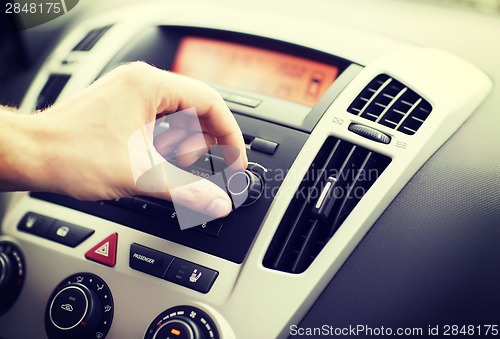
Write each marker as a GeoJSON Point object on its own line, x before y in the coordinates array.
{"type": "Point", "coordinates": [178, 271]}
{"type": "Point", "coordinates": [164, 212]}
{"type": "Point", "coordinates": [56, 230]}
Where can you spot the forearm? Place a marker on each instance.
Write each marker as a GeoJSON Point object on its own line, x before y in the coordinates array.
{"type": "Point", "coordinates": [18, 149]}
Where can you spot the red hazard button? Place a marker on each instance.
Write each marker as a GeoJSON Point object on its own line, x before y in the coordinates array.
{"type": "Point", "coordinates": [105, 251]}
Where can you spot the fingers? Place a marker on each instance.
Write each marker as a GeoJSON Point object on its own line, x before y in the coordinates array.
{"type": "Point", "coordinates": [167, 143]}
{"type": "Point", "coordinates": [196, 194]}
{"type": "Point", "coordinates": [164, 93]}
{"type": "Point", "coordinates": [216, 119]}
{"type": "Point", "coordinates": [193, 148]}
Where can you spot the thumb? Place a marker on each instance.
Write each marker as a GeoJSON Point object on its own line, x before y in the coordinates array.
{"type": "Point", "coordinates": [196, 200]}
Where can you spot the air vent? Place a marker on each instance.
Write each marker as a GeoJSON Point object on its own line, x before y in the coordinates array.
{"type": "Point", "coordinates": [338, 178]}
{"type": "Point", "coordinates": [91, 39]}
{"type": "Point", "coordinates": [51, 90]}
{"type": "Point", "coordinates": [392, 104]}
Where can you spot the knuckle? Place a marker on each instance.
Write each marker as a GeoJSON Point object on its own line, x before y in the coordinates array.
{"type": "Point", "coordinates": [214, 94]}
{"type": "Point", "coordinates": [133, 72]}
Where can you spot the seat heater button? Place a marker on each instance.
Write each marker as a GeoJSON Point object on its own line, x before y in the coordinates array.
{"type": "Point", "coordinates": [191, 275]}
{"type": "Point", "coordinates": [149, 261]}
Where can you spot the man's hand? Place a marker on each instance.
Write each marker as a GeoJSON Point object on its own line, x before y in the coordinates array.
{"type": "Point", "coordinates": [80, 146]}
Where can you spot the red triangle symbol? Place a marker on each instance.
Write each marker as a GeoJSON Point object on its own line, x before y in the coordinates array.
{"type": "Point", "coordinates": [105, 251]}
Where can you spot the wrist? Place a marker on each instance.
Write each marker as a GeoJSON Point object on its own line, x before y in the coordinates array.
{"type": "Point", "coordinates": [21, 153]}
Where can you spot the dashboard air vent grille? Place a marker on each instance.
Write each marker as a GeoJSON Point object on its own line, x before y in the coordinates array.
{"type": "Point", "coordinates": [338, 178]}
{"type": "Point", "coordinates": [392, 104]}
{"type": "Point", "coordinates": [51, 90]}
{"type": "Point", "coordinates": [91, 39]}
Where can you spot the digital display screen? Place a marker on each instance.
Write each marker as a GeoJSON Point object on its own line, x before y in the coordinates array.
{"type": "Point", "coordinates": [250, 68]}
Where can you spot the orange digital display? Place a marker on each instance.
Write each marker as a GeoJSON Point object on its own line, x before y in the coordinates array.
{"type": "Point", "coordinates": [272, 73]}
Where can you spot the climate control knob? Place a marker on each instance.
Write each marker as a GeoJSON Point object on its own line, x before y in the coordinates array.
{"type": "Point", "coordinates": [12, 270]}
{"type": "Point", "coordinates": [182, 322]}
{"type": "Point", "coordinates": [81, 307]}
{"type": "Point", "coordinates": [179, 328]}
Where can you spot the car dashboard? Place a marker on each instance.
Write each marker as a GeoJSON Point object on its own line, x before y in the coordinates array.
{"type": "Point", "coordinates": [374, 161]}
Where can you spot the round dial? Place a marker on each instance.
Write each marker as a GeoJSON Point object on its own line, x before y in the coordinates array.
{"type": "Point", "coordinates": [12, 270]}
{"type": "Point", "coordinates": [247, 182]}
{"type": "Point", "coordinates": [80, 307]}
{"type": "Point", "coordinates": [182, 322]}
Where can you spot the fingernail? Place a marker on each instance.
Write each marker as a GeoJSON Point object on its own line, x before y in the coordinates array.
{"type": "Point", "coordinates": [219, 207]}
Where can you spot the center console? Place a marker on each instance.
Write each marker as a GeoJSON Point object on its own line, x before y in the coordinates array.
{"type": "Point", "coordinates": [332, 134]}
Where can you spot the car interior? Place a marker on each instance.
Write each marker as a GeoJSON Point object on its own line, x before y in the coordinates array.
{"type": "Point", "coordinates": [371, 201]}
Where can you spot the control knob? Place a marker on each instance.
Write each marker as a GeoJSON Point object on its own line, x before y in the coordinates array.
{"type": "Point", "coordinates": [179, 328]}
{"type": "Point", "coordinates": [80, 307]}
{"type": "Point", "coordinates": [182, 322]}
{"type": "Point", "coordinates": [11, 275]}
{"type": "Point", "coordinates": [245, 185]}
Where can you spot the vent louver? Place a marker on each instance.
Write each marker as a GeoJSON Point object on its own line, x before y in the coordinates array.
{"type": "Point", "coordinates": [91, 39]}
{"type": "Point", "coordinates": [51, 90]}
{"type": "Point", "coordinates": [338, 178]}
{"type": "Point", "coordinates": [392, 104]}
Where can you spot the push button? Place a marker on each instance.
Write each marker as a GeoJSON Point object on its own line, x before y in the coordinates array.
{"type": "Point", "coordinates": [105, 251]}
{"type": "Point", "coordinates": [245, 101]}
{"type": "Point", "coordinates": [212, 228]}
{"type": "Point", "coordinates": [149, 261]}
{"type": "Point", "coordinates": [144, 206]}
{"type": "Point", "coordinates": [122, 202]}
{"type": "Point", "coordinates": [191, 275]}
{"type": "Point", "coordinates": [167, 213]}
{"type": "Point", "coordinates": [264, 146]}
{"type": "Point", "coordinates": [35, 224]}
{"type": "Point", "coordinates": [68, 234]}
